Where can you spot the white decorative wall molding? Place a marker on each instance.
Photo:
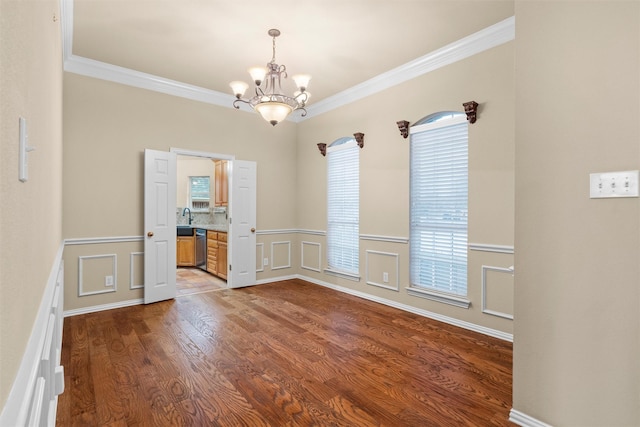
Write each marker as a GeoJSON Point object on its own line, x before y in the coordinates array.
{"type": "Point", "coordinates": [388, 239]}
{"type": "Point", "coordinates": [261, 257]}
{"type": "Point", "coordinates": [343, 274]}
{"type": "Point", "coordinates": [318, 266]}
{"type": "Point", "coordinates": [490, 37]}
{"type": "Point", "coordinates": [370, 281]}
{"type": "Point", "coordinates": [203, 154]}
{"type": "Point", "coordinates": [485, 39]}
{"type": "Point", "coordinates": [495, 35]}
{"type": "Point", "coordinates": [100, 240]}
{"type": "Point", "coordinates": [110, 289]}
{"type": "Point", "coordinates": [102, 307]}
{"type": "Point", "coordinates": [312, 232]}
{"type": "Point", "coordinates": [525, 420]}
{"type": "Point", "coordinates": [33, 397]}
{"type": "Point", "coordinates": [273, 257]}
{"type": "Point", "coordinates": [113, 73]}
{"type": "Point", "coordinates": [483, 247]}
{"type": "Point", "coordinates": [485, 310]}
{"type": "Point", "coordinates": [132, 271]}
{"type": "Point", "coordinates": [277, 279]}
{"type": "Point", "coordinates": [277, 231]}
{"type": "Point", "coordinates": [425, 313]}
{"type": "Point", "coordinates": [438, 297]}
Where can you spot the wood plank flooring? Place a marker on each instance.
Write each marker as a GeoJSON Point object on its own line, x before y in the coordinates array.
{"type": "Point", "coordinates": [283, 354]}
{"type": "Point", "coordinates": [193, 280]}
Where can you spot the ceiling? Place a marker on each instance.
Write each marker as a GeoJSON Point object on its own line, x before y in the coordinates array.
{"type": "Point", "coordinates": [208, 43]}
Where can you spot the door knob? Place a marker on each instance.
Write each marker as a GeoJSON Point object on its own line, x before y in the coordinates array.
{"type": "Point", "coordinates": [253, 230]}
{"type": "Point", "coordinates": [150, 234]}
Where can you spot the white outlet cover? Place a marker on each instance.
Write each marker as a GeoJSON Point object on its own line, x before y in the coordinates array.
{"type": "Point", "coordinates": [613, 184]}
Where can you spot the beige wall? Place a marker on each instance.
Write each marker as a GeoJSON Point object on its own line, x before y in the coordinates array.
{"type": "Point", "coordinates": [577, 94]}
{"type": "Point", "coordinates": [30, 212]}
{"type": "Point", "coordinates": [108, 126]}
{"type": "Point", "coordinates": [577, 301]}
{"type": "Point", "coordinates": [486, 78]}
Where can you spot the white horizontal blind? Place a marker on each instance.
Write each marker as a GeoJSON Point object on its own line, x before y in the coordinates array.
{"type": "Point", "coordinates": [439, 194]}
{"type": "Point", "coordinates": [199, 192]}
{"type": "Point", "coordinates": [343, 206]}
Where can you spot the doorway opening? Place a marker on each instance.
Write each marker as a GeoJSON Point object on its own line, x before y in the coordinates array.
{"type": "Point", "coordinates": [202, 192]}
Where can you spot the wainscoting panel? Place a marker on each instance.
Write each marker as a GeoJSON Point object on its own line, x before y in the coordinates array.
{"type": "Point", "coordinates": [136, 270]}
{"type": "Point", "coordinates": [382, 269]}
{"type": "Point", "coordinates": [33, 398]}
{"type": "Point", "coordinates": [92, 270]}
{"type": "Point", "coordinates": [497, 281]}
{"type": "Point", "coordinates": [311, 256]}
{"type": "Point", "coordinates": [259, 257]}
{"type": "Point", "coordinates": [280, 255]}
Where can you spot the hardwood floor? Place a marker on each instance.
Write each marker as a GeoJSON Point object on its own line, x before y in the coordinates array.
{"type": "Point", "coordinates": [283, 354]}
{"type": "Point", "coordinates": [193, 280]}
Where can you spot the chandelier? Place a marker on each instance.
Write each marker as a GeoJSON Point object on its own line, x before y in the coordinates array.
{"type": "Point", "coordinates": [269, 101]}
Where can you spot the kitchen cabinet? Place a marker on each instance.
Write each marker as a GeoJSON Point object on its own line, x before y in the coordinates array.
{"type": "Point", "coordinates": [222, 255]}
{"type": "Point", "coordinates": [185, 251]}
{"type": "Point", "coordinates": [212, 252]}
{"type": "Point", "coordinates": [221, 183]}
{"type": "Point", "coordinates": [217, 253]}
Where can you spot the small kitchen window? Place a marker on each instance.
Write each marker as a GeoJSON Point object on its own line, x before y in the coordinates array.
{"type": "Point", "coordinates": [199, 193]}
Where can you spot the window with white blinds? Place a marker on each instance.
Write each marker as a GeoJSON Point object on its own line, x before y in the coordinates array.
{"type": "Point", "coordinates": [343, 206]}
{"type": "Point", "coordinates": [438, 213]}
{"type": "Point", "coordinates": [199, 197]}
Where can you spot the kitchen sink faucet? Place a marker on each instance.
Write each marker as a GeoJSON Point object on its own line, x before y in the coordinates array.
{"type": "Point", "coordinates": [190, 217]}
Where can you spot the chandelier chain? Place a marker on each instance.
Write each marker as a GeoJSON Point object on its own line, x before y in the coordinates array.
{"type": "Point", "coordinates": [273, 57]}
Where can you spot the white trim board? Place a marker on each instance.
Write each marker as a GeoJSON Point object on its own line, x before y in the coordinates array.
{"type": "Point", "coordinates": [525, 420]}
{"type": "Point", "coordinates": [103, 307]}
{"type": "Point", "coordinates": [485, 310]}
{"type": "Point", "coordinates": [435, 316]}
{"type": "Point", "coordinates": [482, 247]}
{"type": "Point", "coordinates": [24, 389]}
{"type": "Point", "coordinates": [487, 38]}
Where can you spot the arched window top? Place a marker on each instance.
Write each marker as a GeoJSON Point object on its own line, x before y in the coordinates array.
{"type": "Point", "coordinates": [440, 115]}
{"type": "Point", "coordinates": [341, 141]}
{"type": "Point", "coordinates": [436, 120]}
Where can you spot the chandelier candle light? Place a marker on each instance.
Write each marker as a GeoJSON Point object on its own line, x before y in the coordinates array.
{"type": "Point", "coordinates": [270, 102]}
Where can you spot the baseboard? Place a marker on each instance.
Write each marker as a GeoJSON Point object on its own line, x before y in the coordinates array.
{"type": "Point", "coordinates": [525, 420]}
{"type": "Point", "coordinates": [33, 396]}
{"type": "Point", "coordinates": [103, 307]}
{"type": "Point", "coordinates": [404, 307]}
{"type": "Point", "coordinates": [425, 313]}
{"type": "Point", "coordinates": [279, 279]}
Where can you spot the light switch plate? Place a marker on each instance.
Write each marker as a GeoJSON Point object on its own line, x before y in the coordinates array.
{"type": "Point", "coordinates": [23, 149]}
{"type": "Point", "coordinates": [613, 184]}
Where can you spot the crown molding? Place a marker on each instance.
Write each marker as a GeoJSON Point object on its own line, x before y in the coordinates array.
{"type": "Point", "coordinates": [101, 70]}
{"type": "Point", "coordinates": [492, 36]}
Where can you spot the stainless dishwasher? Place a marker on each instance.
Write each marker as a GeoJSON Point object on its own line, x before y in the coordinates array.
{"type": "Point", "coordinates": [201, 248]}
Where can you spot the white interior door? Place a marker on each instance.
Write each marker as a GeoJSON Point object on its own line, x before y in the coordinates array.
{"type": "Point", "coordinates": [242, 224]}
{"type": "Point", "coordinates": [159, 226]}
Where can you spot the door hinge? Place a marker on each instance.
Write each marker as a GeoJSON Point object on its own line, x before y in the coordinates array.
{"type": "Point", "coordinates": [230, 220]}
{"type": "Point", "coordinates": [230, 267]}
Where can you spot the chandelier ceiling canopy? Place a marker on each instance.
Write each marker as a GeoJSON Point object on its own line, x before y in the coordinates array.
{"type": "Point", "coordinates": [269, 100]}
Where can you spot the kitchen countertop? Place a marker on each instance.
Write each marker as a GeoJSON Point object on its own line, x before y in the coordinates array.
{"type": "Point", "coordinates": [212, 227]}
